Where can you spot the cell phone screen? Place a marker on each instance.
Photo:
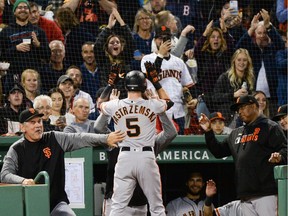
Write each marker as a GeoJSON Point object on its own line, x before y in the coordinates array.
{"type": "Point", "coordinates": [234, 7]}
{"type": "Point", "coordinates": [137, 53]}
{"type": "Point", "coordinates": [166, 38]}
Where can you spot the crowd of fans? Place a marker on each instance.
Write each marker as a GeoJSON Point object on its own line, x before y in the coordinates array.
{"type": "Point", "coordinates": [218, 54]}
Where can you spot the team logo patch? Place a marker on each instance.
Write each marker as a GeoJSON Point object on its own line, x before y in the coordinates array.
{"type": "Point", "coordinates": [31, 110]}
{"type": "Point", "coordinates": [47, 152]}
{"type": "Point", "coordinates": [279, 110]}
{"type": "Point", "coordinates": [219, 115]}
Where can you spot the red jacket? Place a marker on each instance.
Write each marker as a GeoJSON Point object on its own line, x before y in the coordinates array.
{"type": "Point", "coordinates": [53, 32]}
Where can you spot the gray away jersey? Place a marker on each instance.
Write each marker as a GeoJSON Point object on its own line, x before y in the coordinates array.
{"type": "Point", "coordinates": [136, 118]}
{"type": "Point", "coordinates": [183, 206]}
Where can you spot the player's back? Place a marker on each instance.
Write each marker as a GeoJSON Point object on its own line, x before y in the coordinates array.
{"type": "Point", "coordinates": [137, 118]}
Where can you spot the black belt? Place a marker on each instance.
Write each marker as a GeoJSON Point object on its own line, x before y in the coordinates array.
{"type": "Point", "coordinates": [145, 148]}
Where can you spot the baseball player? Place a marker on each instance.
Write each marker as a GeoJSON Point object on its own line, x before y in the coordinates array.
{"type": "Point", "coordinates": [136, 160]}
{"type": "Point", "coordinates": [173, 74]}
{"type": "Point", "coordinates": [193, 203]}
{"type": "Point", "coordinates": [138, 203]}
{"type": "Point", "coordinates": [231, 208]}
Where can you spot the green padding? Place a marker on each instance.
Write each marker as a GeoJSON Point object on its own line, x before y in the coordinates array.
{"type": "Point", "coordinates": [11, 200]}
{"type": "Point", "coordinates": [37, 200]}
{"type": "Point", "coordinates": [281, 172]}
{"type": "Point", "coordinates": [282, 197]}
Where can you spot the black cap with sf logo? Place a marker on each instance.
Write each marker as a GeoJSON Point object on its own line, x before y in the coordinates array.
{"type": "Point", "coordinates": [29, 114]}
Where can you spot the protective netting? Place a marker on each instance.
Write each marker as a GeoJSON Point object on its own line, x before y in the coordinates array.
{"type": "Point", "coordinates": [80, 35]}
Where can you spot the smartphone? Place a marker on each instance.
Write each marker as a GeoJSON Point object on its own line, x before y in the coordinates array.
{"type": "Point", "coordinates": [234, 7]}
{"type": "Point", "coordinates": [62, 119]}
{"type": "Point", "coordinates": [166, 38]}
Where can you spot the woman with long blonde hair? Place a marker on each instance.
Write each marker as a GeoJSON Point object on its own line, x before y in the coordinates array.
{"type": "Point", "coordinates": [30, 80]}
{"type": "Point", "coordinates": [237, 81]}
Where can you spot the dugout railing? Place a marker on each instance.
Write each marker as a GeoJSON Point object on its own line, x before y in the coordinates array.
{"type": "Point", "coordinates": [183, 149]}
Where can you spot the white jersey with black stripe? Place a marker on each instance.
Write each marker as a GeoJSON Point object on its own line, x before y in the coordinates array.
{"type": "Point", "coordinates": [173, 76]}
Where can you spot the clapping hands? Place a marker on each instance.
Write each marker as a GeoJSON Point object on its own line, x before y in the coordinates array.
{"type": "Point", "coordinates": [115, 16]}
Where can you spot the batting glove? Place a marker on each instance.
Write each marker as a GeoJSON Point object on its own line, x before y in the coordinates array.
{"type": "Point", "coordinates": [114, 74]}
{"type": "Point", "coordinates": [151, 72]}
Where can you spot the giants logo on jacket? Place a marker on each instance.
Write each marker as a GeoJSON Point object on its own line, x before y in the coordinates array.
{"type": "Point", "coordinates": [47, 152]}
{"type": "Point", "coordinates": [248, 137]}
{"type": "Point", "coordinates": [170, 73]}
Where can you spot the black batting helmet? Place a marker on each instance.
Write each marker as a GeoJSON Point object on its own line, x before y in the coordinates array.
{"type": "Point", "coordinates": [135, 81]}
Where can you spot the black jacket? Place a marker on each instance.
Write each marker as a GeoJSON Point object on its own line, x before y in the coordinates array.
{"type": "Point", "coordinates": [47, 154]}
{"type": "Point", "coordinates": [223, 97]}
{"type": "Point", "coordinates": [13, 35]}
{"type": "Point", "coordinates": [251, 147]}
{"type": "Point", "coordinates": [126, 55]}
{"type": "Point", "coordinates": [8, 114]}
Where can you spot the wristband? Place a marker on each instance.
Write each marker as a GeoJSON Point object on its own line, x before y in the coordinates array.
{"type": "Point", "coordinates": [208, 201]}
{"type": "Point", "coordinates": [157, 85]}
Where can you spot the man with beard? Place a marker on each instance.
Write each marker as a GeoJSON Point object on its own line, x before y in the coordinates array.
{"type": "Point", "coordinates": [22, 44]}
{"type": "Point", "coordinates": [156, 6]}
{"type": "Point", "coordinates": [90, 71]}
{"type": "Point", "coordinates": [256, 148]}
{"type": "Point", "coordinates": [194, 203]}
{"type": "Point", "coordinates": [172, 71]}
{"type": "Point", "coordinates": [263, 41]}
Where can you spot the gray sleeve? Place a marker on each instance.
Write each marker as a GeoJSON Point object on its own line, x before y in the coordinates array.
{"type": "Point", "coordinates": [74, 141]}
{"type": "Point", "coordinates": [101, 124]}
{"type": "Point", "coordinates": [179, 48]}
{"type": "Point", "coordinates": [170, 208]}
{"type": "Point", "coordinates": [69, 129]}
{"type": "Point", "coordinates": [166, 136]}
{"type": "Point", "coordinates": [10, 167]}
